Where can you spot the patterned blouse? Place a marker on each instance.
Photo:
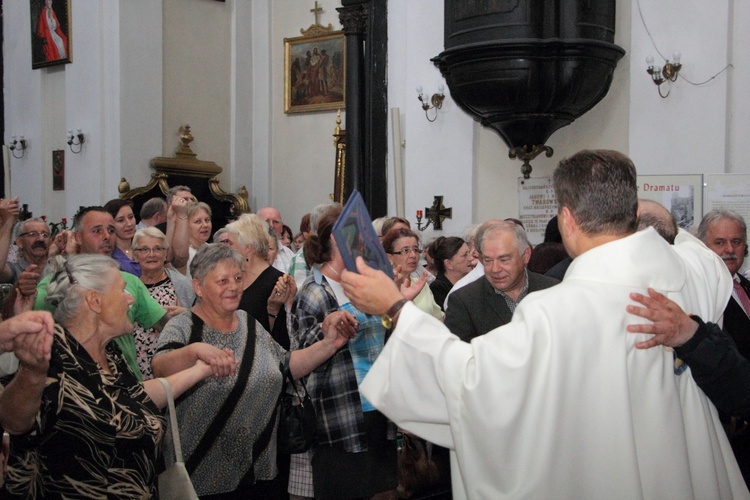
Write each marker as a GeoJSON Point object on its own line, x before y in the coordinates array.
{"type": "Point", "coordinates": [96, 435]}
{"type": "Point", "coordinates": [145, 339]}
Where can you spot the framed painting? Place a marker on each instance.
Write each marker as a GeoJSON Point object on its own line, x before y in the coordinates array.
{"type": "Point", "coordinates": [314, 73]}
{"type": "Point", "coordinates": [50, 33]}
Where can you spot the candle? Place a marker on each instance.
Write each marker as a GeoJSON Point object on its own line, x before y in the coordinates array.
{"type": "Point", "coordinates": [419, 214]}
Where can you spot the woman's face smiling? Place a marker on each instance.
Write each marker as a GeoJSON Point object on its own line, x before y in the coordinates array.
{"type": "Point", "coordinates": [221, 289]}
{"type": "Point", "coordinates": [200, 227]}
{"type": "Point", "coordinates": [150, 254]}
{"type": "Point", "coordinates": [125, 223]}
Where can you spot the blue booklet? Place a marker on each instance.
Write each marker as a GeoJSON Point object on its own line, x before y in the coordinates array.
{"type": "Point", "coordinates": [355, 237]}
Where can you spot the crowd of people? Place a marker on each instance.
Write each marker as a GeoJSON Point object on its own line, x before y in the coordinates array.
{"type": "Point", "coordinates": [524, 371]}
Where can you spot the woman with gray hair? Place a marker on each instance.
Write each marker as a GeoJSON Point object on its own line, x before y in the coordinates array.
{"type": "Point", "coordinates": [81, 423]}
{"type": "Point", "coordinates": [229, 426]}
{"type": "Point", "coordinates": [267, 292]}
{"type": "Point", "coordinates": [171, 289]}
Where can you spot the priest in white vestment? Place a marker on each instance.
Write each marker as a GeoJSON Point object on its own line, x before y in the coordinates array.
{"type": "Point", "coordinates": [559, 403]}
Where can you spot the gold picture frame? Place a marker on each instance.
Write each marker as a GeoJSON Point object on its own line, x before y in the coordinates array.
{"type": "Point", "coordinates": [314, 73]}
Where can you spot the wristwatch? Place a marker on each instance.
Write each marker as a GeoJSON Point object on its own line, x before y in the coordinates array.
{"type": "Point", "coordinates": [390, 315]}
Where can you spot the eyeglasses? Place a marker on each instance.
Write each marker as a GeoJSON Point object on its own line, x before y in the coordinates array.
{"type": "Point", "coordinates": [35, 234]}
{"type": "Point", "coordinates": [187, 198]}
{"type": "Point", "coordinates": [407, 251]}
{"type": "Point", "coordinates": [148, 251]}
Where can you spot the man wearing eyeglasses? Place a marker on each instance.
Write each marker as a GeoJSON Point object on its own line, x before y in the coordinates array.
{"type": "Point", "coordinates": [32, 240]}
{"type": "Point", "coordinates": [488, 303]}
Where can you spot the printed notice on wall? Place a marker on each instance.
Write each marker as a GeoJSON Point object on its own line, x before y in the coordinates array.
{"type": "Point", "coordinates": [728, 192]}
{"type": "Point", "coordinates": [536, 206]}
{"type": "Point", "coordinates": [680, 194]}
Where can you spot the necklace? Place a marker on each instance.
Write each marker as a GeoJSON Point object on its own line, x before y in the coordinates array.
{"type": "Point", "coordinates": [334, 271]}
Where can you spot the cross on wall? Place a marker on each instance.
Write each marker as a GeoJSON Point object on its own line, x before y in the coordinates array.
{"type": "Point", "coordinates": [316, 11]}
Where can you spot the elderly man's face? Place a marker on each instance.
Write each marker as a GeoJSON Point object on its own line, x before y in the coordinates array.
{"type": "Point", "coordinates": [273, 217]}
{"type": "Point", "coordinates": [34, 239]}
{"type": "Point", "coordinates": [725, 237]}
{"type": "Point", "coordinates": [503, 265]}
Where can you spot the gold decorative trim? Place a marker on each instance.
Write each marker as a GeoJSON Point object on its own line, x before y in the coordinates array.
{"type": "Point", "coordinates": [185, 162]}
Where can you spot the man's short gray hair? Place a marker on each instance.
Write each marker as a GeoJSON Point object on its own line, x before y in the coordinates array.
{"type": "Point", "coordinates": [21, 225]}
{"type": "Point", "coordinates": [486, 229]}
{"type": "Point", "coordinates": [717, 215]}
{"type": "Point", "coordinates": [152, 207]}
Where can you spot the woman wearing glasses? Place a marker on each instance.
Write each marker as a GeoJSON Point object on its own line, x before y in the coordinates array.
{"type": "Point", "coordinates": [402, 247]}
{"type": "Point", "coordinates": [170, 288]}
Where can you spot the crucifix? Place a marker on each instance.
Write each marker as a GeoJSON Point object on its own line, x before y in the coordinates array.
{"type": "Point", "coordinates": [436, 214]}
{"type": "Point", "coordinates": [316, 11]}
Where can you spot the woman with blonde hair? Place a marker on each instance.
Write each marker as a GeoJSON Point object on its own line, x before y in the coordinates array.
{"type": "Point", "coordinates": [267, 292]}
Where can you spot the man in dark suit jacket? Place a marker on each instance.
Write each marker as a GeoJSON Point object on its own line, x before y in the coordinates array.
{"type": "Point", "coordinates": [489, 302]}
{"type": "Point", "coordinates": [725, 232]}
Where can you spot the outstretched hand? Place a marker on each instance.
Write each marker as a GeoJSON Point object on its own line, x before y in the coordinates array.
{"type": "Point", "coordinates": [671, 325]}
{"type": "Point", "coordinates": [370, 290]}
{"type": "Point", "coordinates": [410, 290]}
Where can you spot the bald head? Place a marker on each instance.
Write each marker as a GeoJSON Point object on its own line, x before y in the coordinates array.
{"type": "Point", "coordinates": [653, 214]}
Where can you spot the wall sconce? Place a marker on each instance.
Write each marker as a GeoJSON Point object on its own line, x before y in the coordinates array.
{"type": "Point", "coordinates": [72, 140]}
{"type": "Point", "coordinates": [436, 214]}
{"type": "Point", "coordinates": [669, 72]}
{"type": "Point", "coordinates": [436, 100]}
{"type": "Point", "coordinates": [17, 145]}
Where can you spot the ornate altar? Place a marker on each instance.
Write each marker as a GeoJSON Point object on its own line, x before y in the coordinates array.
{"type": "Point", "coordinates": [200, 176]}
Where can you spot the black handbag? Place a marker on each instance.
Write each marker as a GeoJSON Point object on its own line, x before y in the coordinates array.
{"type": "Point", "coordinates": [297, 420]}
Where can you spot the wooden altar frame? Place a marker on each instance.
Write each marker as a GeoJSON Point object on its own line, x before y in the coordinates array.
{"type": "Point", "coordinates": [201, 176]}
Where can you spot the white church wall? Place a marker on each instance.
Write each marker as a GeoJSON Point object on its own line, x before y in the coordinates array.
{"type": "Point", "coordinates": [302, 158]}
{"type": "Point", "coordinates": [140, 99]}
{"type": "Point", "coordinates": [738, 77]}
{"type": "Point", "coordinates": [251, 106]}
{"type": "Point", "coordinates": [114, 99]}
{"type": "Point", "coordinates": [197, 79]}
{"type": "Point", "coordinates": [34, 107]}
{"type": "Point", "coordinates": [438, 156]}
{"type": "Point", "coordinates": [687, 131]}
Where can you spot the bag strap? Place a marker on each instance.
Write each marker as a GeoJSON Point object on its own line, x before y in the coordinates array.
{"type": "Point", "coordinates": [264, 438]}
{"type": "Point", "coordinates": [221, 418]}
{"type": "Point", "coordinates": [290, 380]}
{"type": "Point", "coordinates": [196, 331]}
{"type": "Point", "coordinates": [172, 420]}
